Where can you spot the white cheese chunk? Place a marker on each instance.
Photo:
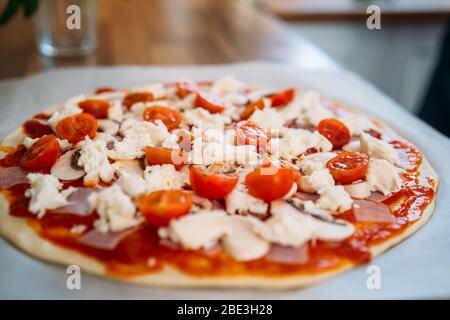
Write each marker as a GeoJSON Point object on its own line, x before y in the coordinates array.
{"type": "Point", "coordinates": [64, 145]}
{"type": "Point", "coordinates": [45, 193]}
{"type": "Point", "coordinates": [201, 118]}
{"type": "Point", "coordinates": [239, 201]}
{"type": "Point", "coordinates": [226, 85]}
{"type": "Point", "coordinates": [115, 209]}
{"type": "Point", "coordinates": [163, 177]}
{"type": "Point", "coordinates": [157, 89]}
{"type": "Point", "coordinates": [353, 146]}
{"type": "Point", "coordinates": [94, 160]}
{"type": "Point", "coordinates": [199, 230]}
{"type": "Point", "coordinates": [383, 176]}
{"type": "Point", "coordinates": [334, 199]}
{"type": "Point", "coordinates": [70, 108]}
{"type": "Point", "coordinates": [295, 142]}
{"type": "Point", "coordinates": [356, 123]}
{"type": "Point", "coordinates": [241, 243]}
{"type": "Point", "coordinates": [376, 148]}
{"type": "Point", "coordinates": [268, 118]}
{"type": "Point", "coordinates": [312, 110]}
{"type": "Point", "coordinates": [359, 190]}
{"type": "Point", "coordinates": [132, 184]}
{"type": "Point", "coordinates": [28, 142]}
{"type": "Point", "coordinates": [316, 181]}
{"type": "Point", "coordinates": [115, 111]}
{"type": "Point", "coordinates": [138, 135]}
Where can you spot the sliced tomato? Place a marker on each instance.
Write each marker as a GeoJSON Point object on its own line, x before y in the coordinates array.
{"type": "Point", "coordinates": [348, 167]}
{"type": "Point", "coordinates": [104, 90]}
{"type": "Point", "coordinates": [185, 88]}
{"type": "Point", "coordinates": [36, 128]}
{"type": "Point", "coordinates": [159, 207]}
{"type": "Point", "coordinates": [374, 133]}
{"type": "Point", "coordinates": [75, 128]}
{"type": "Point", "coordinates": [136, 97]}
{"type": "Point", "coordinates": [335, 131]}
{"type": "Point", "coordinates": [209, 102]}
{"type": "Point", "coordinates": [159, 155]}
{"type": "Point", "coordinates": [98, 108]}
{"type": "Point", "coordinates": [251, 133]}
{"type": "Point", "coordinates": [42, 154]}
{"type": "Point", "coordinates": [282, 98]}
{"type": "Point", "coordinates": [170, 117]}
{"type": "Point", "coordinates": [212, 185]}
{"type": "Point", "coordinates": [269, 182]}
{"type": "Point", "coordinates": [251, 107]}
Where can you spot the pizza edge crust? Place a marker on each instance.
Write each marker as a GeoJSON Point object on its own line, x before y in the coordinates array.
{"type": "Point", "coordinates": [16, 231]}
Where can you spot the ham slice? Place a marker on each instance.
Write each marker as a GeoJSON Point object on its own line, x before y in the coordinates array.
{"type": "Point", "coordinates": [376, 196]}
{"type": "Point", "coordinates": [78, 203]}
{"type": "Point", "coordinates": [11, 176]}
{"type": "Point", "coordinates": [370, 211]}
{"type": "Point", "coordinates": [288, 255]}
{"type": "Point", "coordinates": [105, 240]}
{"type": "Point", "coordinates": [307, 196]}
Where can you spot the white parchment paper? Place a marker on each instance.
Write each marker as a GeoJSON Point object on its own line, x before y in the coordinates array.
{"type": "Point", "coordinates": [417, 268]}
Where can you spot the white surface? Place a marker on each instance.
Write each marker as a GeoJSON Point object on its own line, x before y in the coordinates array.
{"type": "Point", "coordinates": [417, 268]}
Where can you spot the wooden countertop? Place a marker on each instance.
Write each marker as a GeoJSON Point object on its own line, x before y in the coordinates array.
{"type": "Point", "coordinates": [161, 32]}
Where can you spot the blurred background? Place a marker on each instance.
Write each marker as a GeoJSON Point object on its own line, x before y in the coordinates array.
{"type": "Point", "coordinates": [408, 58]}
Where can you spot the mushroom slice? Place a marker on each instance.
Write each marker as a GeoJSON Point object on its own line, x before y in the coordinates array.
{"type": "Point", "coordinates": [242, 243]}
{"type": "Point", "coordinates": [108, 126]}
{"type": "Point", "coordinates": [63, 169]}
{"type": "Point", "coordinates": [325, 226]}
{"type": "Point", "coordinates": [359, 190]}
{"type": "Point", "coordinates": [129, 166]}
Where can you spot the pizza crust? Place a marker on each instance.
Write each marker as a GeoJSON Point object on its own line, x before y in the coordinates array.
{"type": "Point", "coordinates": [19, 233]}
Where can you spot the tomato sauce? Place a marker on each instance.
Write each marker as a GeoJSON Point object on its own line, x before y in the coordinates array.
{"type": "Point", "coordinates": [142, 252]}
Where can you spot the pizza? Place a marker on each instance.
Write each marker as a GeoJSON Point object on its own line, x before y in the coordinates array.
{"type": "Point", "coordinates": [210, 184]}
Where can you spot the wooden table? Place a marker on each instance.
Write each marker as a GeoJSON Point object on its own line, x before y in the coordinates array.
{"type": "Point", "coordinates": [159, 32]}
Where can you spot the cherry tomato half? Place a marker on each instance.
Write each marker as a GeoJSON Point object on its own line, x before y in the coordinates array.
{"type": "Point", "coordinates": [75, 128]}
{"type": "Point", "coordinates": [269, 182]}
{"type": "Point", "coordinates": [212, 185]}
{"type": "Point", "coordinates": [251, 133]}
{"type": "Point", "coordinates": [159, 155]}
{"type": "Point", "coordinates": [98, 108]}
{"type": "Point", "coordinates": [348, 167]}
{"type": "Point", "coordinates": [282, 98]}
{"type": "Point", "coordinates": [42, 154]}
{"type": "Point", "coordinates": [136, 97]}
{"type": "Point", "coordinates": [170, 117]}
{"type": "Point", "coordinates": [36, 128]}
{"type": "Point", "coordinates": [251, 107]}
{"type": "Point", "coordinates": [209, 102]}
{"type": "Point", "coordinates": [104, 90]}
{"type": "Point", "coordinates": [335, 131]}
{"type": "Point", "coordinates": [185, 88]}
{"type": "Point", "coordinates": [159, 207]}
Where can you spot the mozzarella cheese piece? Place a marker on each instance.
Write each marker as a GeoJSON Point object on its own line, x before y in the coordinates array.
{"type": "Point", "coordinates": [138, 135]}
{"type": "Point", "coordinates": [378, 149]}
{"type": "Point", "coordinates": [115, 209]}
{"type": "Point", "coordinates": [242, 243]}
{"type": "Point", "coordinates": [226, 85]}
{"type": "Point", "coordinates": [115, 111]}
{"type": "Point", "coordinates": [239, 201]}
{"type": "Point", "coordinates": [132, 184]}
{"type": "Point", "coordinates": [64, 145]}
{"type": "Point", "coordinates": [356, 123]}
{"type": "Point", "coordinates": [163, 177]}
{"type": "Point", "coordinates": [268, 118]}
{"type": "Point", "coordinates": [28, 142]}
{"type": "Point", "coordinates": [312, 110]}
{"type": "Point", "coordinates": [45, 193]}
{"type": "Point", "coordinates": [316, 181]}
{"type": "Point", "coordinates": [359, 190]}
{"type": "Point", "coordinates": [383, 176]}
{"type": "Point", "coordinates": [201, 118]}
{"type": "Point", "coordinates": [70, 108]}
{"type": "Point", "coordinates": [334, 199]}
{"type": "Point", "coordinates": [199, 230]}
{"type": "Point", "coordinates": [295, 142]}
{"type": "Point", "coordinates": [94, 160]}
{"type": "Point", "coordinates": [157, 89]}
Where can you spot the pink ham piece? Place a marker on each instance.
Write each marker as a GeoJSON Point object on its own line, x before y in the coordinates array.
{"type": "Point", "coordinates": [307, 196]}
{"type": "Point", "coordinates": [376, 196]}
{"type": "Point", "coordinates": [78, 203]}
{"type": "Point", "coordinates": [288, 255]}
{"type": "Point", "coordinates": [11, 176]}
{"type": "Point", "coordinates": [370, 211]}
{"type": "Point", "coordinates": [105, 240]}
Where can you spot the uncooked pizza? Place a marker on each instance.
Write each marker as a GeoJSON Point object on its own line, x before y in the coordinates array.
{"type": "Point", "coordinates": [210, 183]}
